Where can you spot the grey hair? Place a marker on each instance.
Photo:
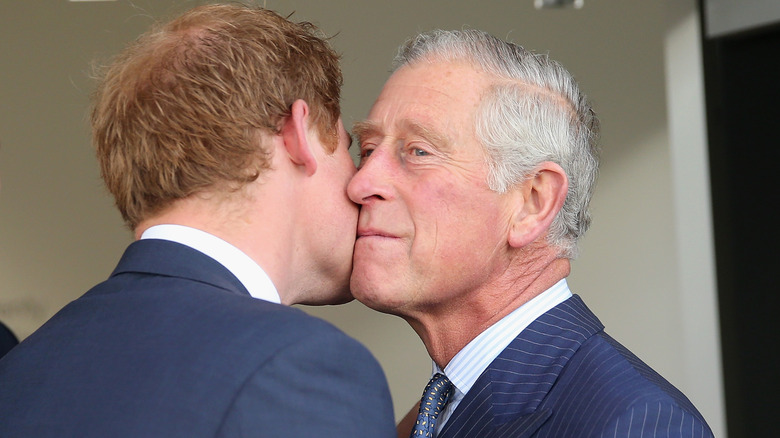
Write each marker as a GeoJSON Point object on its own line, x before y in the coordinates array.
{"type": "Point", "coordinates": [534, 112]}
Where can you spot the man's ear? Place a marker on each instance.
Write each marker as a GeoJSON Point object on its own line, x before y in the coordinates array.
{"type": "Point", "coordinates": [295, 134]}
{"type": "Point", "coordinates": [541, 198]}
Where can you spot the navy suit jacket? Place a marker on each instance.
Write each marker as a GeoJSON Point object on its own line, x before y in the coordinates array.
{"type": "Point", "coordinates": [563, 376]}
{"type": "Point", "coordinates": [172, 345]}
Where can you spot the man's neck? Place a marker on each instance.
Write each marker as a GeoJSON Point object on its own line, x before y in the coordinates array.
{"type": "Point", "coordinates": [447, 331]}
{"type": "Point", "coordinates": [234, 222]}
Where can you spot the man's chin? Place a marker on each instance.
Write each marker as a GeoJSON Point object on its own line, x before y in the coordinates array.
{"type": "Point", "coordinates": [343, 299]}
{"type": "Point", "coordinates": [375, 302]}
{"type": "Point", "coordinates": [343, 296]}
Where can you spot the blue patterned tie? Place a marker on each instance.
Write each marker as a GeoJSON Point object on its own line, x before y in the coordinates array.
{"type": "Point", "coordinates": [434, 398]}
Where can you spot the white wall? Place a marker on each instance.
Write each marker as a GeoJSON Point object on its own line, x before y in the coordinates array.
{"type": "Point", "coordinates": [693, 214]}
{"type": "Point", "coordinates": [59, 233]}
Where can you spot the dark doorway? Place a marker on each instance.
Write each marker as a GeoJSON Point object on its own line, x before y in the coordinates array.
{"type": "Point", "coordinates": [742, 86]}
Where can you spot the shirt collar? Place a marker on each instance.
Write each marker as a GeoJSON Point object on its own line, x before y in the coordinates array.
{"type": "Point", "coordinates": [469, 363]}
{"type": "Point", "coordinates": [248, 272]}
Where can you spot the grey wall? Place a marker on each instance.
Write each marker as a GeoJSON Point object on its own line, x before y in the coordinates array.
{"type": "Point", "coordinates": [59, 233]}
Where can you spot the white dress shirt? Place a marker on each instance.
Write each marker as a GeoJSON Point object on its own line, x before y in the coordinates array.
{"type": "Point", "coordinates": [248, 272]}
{"type": "Point", "coordinates": [464, 369]}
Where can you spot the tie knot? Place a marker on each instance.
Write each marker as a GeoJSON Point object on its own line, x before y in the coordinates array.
{"type": "Point", "coordinates": [436, 394]}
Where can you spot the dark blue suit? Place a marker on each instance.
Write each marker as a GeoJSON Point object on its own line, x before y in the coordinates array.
{"type": "Point", "coordinates": [564, 377]}
{"type": "Point", "coordinates": [172, 345]}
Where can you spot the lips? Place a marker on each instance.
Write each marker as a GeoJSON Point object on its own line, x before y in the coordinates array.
{"type": "Point", "coordinates": [367, 232]}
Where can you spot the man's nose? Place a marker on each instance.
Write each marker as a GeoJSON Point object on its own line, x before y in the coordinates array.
{"type": "Point", "coordinates": [373, 180]}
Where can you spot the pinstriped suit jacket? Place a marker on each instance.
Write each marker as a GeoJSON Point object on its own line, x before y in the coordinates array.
{"type": "Point", "coordinates": [563, 376]}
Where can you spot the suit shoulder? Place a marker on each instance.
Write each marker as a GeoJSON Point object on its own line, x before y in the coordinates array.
{"type": "Point", "coordinates": [349, 397]}
{"type": "Point", "coordinates": [604, 383]}
{"type": "Point", "coordinates": [657, 418]}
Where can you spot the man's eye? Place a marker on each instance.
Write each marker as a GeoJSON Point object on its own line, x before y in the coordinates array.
{"type": "Point", "coordinates": [365, 153]}
{"type": "Point", "coordinates": [419, 152]}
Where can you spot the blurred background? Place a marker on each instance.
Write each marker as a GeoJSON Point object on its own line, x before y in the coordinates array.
{"type": "Point", "coordinates": [647, 266]}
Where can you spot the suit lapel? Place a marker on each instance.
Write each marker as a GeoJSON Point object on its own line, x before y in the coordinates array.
{"type": "Point", "coordinates": [504, 400]}
{"type": "Point", "coordinates": [162, 257]}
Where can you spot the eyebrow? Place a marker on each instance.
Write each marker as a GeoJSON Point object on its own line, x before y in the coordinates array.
{"type": "Point", "coordinates": [367, 128]}
{"type": "Point", "coordinates": [434, 137]}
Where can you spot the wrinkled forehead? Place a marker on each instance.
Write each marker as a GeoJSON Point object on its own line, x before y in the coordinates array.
{"type": "Point", "coordinates": [450, 78]}
{"type": "Point", "coordinates": [433, 94]}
